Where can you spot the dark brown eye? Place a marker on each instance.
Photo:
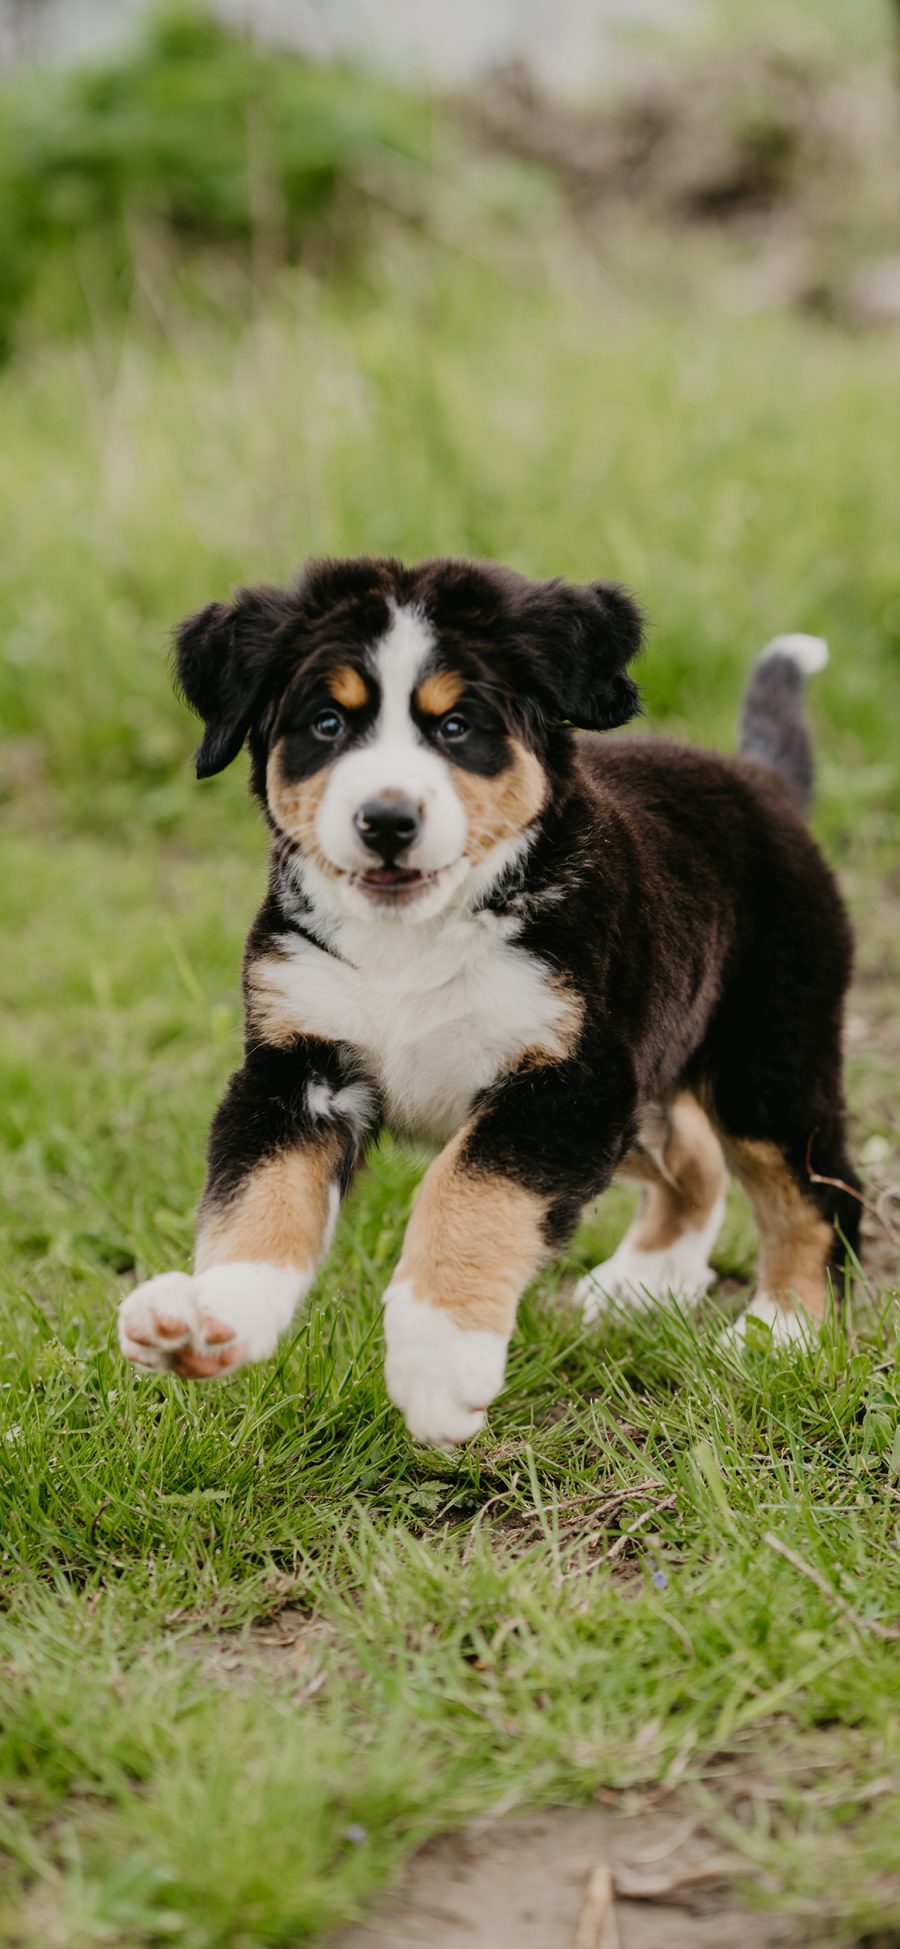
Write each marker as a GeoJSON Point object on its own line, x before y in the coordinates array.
{"type": "Point", "coordinates": [328, 725]}
{"type": "Point", "coordinates": [454, 728]}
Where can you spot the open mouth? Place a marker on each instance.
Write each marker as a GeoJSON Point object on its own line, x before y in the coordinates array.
{"type": "Point", "coordinates": [395, 883]}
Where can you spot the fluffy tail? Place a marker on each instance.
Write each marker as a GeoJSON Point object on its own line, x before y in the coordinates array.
{"type": "Point", "coordinates": [773, 723]}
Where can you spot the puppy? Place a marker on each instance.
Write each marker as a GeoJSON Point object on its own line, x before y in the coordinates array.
{"type": "Point", "coordinates": [554, 956]}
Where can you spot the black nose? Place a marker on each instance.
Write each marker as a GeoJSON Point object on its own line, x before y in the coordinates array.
{"type": "Point", "coordinates": [388, 826]}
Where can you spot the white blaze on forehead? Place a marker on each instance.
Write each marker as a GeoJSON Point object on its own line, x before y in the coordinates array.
{"type": "Point", "coordinates": [400, 660]}
{"type": "Point", "coordinates": [395, 758]}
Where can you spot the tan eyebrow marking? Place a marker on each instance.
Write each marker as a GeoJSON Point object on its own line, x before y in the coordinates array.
{"type": "Point", "coordinates": [347, 687]}
{"type": "Point", "coordinates": [439, 692]}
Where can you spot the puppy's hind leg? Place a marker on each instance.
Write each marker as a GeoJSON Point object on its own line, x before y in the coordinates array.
{"type": "Point", "coordinates": [665, 1252]}
{"type": "Point", "coordinates": [808, 1220]}
{"type": "Point", "coordinates": [777, 1102]}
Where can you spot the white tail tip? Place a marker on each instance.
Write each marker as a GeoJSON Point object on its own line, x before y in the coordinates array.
{"type": "Point", "coordinates": [809, 653]}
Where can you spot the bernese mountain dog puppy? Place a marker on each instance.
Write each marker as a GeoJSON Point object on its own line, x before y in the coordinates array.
{"type": "Point", "coordinates": [552, 954]}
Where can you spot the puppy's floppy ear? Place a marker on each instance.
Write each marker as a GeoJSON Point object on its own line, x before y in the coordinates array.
{"type": "Point", "coordinates": [228, 659]}
{"type": "Point", "coordinates": [583, 636]}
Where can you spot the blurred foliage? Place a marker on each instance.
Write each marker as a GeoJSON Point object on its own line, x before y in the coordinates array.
{"type": "Point", "coordinates": [739, 473]}
{"type": "Point", "coordinates": [199, 150]}
{"type": "Point", "coordinates": [506, 374]}
{"type": "Point", "coordinates": [193, 136]}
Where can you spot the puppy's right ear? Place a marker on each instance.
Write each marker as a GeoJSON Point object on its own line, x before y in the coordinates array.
{"type": "Point", "coordinates": [228, 659]}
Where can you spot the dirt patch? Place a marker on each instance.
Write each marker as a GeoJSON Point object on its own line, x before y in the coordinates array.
{"type": "Point", "coordinates": [789, 151]}
{"type": "Point", "coordinates": [288, 1649]}
{"type": "Point", "coordinates": [585, 1878]}
{"type": "Point", "coordinates": [739, 134]}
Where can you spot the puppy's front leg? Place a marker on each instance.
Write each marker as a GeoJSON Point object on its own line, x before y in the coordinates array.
{"type": "Point", "coordinates": [281, 1152]}
{"type": "Point", "coordinates": [473, 1242]}
{"type": "Point", "coordinates": [493, 1207]}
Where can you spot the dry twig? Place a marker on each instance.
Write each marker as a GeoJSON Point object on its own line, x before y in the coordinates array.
{"type": "Point", "coordinates": [838, 1184]}
{"type": "Point", "coordinates": [878, 1630]}
{"type": "Point", "coordinates": [597, 1926]}
{"type": "Point", "coordinates": [637, 1886]}
{"type": "Point", "coordinates": [621, 1542]}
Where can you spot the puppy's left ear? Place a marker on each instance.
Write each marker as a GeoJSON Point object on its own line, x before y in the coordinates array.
{"type": "Point", "coordinates": [228, 661]}
{"type": "Point", "coordinates": [585, 634]}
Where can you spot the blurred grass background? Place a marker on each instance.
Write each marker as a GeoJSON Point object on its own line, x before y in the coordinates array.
{"type": "Point", "coordinates": [256, 308]}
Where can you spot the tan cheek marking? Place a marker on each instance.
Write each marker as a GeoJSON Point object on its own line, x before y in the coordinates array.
{"type": "Point", "coordinates": [472, 1243]}
{"type": "Point", "coordinates": [295, 807]}
{"type": "Point", "coordinates": [796, 1240]}
{"type": "Point", "coordinates": [439, 692]}
{"type": "Point", "coordinates": [279, 1214]}
{"type": "Point", "coordinates": [499, 808]}
{"type": "Point", "coordinates": [347, 687]}
{"type": "Point", "coordinates": [694, 1177]}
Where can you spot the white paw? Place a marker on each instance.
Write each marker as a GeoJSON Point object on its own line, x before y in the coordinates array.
{"type": "Point", "coordinates": [785, 1328]}
{"type": "Point", "coordinates": [440, 1375]}
{"type": "Point", "coordinates": [644, 1279]}
{"type": "Point", "coordinates": [209, 1323]}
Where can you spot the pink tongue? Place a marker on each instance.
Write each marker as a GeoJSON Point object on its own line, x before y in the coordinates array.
{"type": "Point", "coordinates": [389, 876]}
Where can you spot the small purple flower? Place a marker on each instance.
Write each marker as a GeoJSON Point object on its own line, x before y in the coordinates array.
{"type": "Point", "coordinates": [659, 1576]}
{"type": "Point", "coordinates": [356, 1833]}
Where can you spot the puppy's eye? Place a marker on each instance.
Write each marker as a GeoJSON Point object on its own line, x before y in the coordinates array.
{"type": "Point", "coordinates": [454, 728]}
{"type": "Point", "coordinates": [328, 726]}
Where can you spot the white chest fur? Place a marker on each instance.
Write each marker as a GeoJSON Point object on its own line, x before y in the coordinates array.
{"type": "Point", "coordinates": [435, 1011]}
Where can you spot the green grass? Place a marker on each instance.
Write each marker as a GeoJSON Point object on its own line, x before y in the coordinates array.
{"type": "Point", "coordinates": [464, 1645]}
{"type": "Point", "coordinates": [738, 473]}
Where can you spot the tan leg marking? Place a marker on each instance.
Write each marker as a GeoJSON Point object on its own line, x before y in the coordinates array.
{"type": "Point", "coordinates": [279, 1214]}
{"type": "Point", "coordinates": [472, 1243]}
{"type": "Point", "coordinates": [500, 808]}
{"type": "Point", "coordinates": [439, 692]}
{"type": "Point", "coordinates": [665, 1253]}
{"type": "Point", "coordinates": [256, 1255]}
{"type": "Point", "coordinates": [796, 1241]}
{"type": "Point", "coordinates": [683, 1173]}
{"type": "Point", "coordinates": [348, 687]}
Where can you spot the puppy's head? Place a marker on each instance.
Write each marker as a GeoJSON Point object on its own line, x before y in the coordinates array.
{"type": "Point", "coordinates": [404, 723]}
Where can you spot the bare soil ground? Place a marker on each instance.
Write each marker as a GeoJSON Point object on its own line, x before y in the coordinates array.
{"type": "Point", "coordinates": [791, 156]}
{"type": "Point", "coordinates": [585, 1878]}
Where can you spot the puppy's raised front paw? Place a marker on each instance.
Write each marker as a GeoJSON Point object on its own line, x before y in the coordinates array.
{"type": "Point", "coordinates": [205, 1325]}
{"type": "Point", "coordinates": [440, 1375]}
